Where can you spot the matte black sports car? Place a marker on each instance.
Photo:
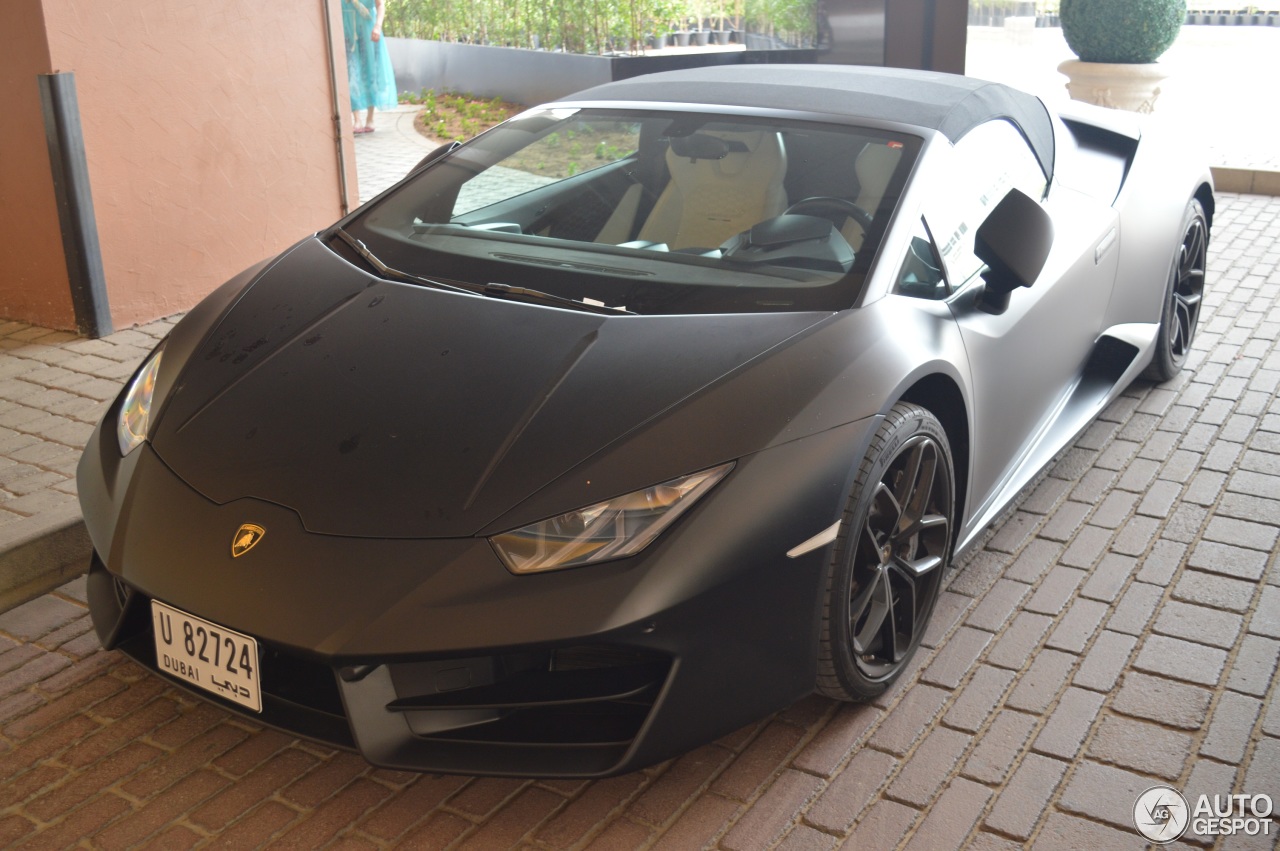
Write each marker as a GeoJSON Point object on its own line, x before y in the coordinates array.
{"type": "Point", "coordinates": [638, 417]}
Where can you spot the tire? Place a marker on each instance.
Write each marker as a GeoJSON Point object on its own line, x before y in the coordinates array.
{"type": "Point", "coordinates": [1183, 296]}
{"type": "Point", "coordinates": [890, 557]}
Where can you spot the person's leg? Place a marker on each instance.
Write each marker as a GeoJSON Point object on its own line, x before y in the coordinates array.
{"type": "Point", "coordinates": [368, 120]}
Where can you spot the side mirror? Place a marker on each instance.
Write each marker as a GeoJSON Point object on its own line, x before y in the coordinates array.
{"type": "Point", "coordinates": [1014, 242]}
{"type": "Point", "coordinates": [435, 155]}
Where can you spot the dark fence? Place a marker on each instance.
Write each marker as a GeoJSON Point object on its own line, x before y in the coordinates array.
{"type": "Point", "coordinates": [537, 76]}
{"type": "Point", "coordinates": [993, 15]}
{"type": "Point", "coordinates": [1234, 18]}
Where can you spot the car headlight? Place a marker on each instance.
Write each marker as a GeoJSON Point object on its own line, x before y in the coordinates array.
{"type": "Point", "coordinates": [615, 528]}
{"type": "Point", "coordinates": [135, 412]}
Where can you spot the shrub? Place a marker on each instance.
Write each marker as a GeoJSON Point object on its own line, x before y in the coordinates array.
{"type": "Point", "coordinates": [590, 26]}
{"type": "Point", "coordinates": [1124, 31]}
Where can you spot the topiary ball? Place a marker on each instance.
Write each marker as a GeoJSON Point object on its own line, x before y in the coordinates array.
{"type": "Point", "coordinates": [1126, 31]}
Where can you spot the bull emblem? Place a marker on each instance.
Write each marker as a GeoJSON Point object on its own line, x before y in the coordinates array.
{"type": "Point", "coordinates": [245, 539]}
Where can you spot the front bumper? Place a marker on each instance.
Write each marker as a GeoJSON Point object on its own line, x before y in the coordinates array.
{"type": "Point", "coordinates": [429, 655]}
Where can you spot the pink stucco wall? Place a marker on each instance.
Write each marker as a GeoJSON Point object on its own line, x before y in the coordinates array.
{"type": "Point", "coordinates": [33, 272]}
{"type": "Point", "coordinates": [209, 134]}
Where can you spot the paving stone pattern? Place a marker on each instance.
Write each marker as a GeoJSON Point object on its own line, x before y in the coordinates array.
{"type": "Point", "coordinates": [386, 155]}
{"type": "Point", "coordinates": [54, 387]}
{"type": "Point", "coordinates": [1120, 628]}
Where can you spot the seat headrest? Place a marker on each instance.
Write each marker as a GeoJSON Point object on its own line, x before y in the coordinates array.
{"type": "Point", "coordinates": [704, 146]}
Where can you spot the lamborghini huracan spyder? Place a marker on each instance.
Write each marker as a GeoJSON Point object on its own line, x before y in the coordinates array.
{"type": "Point", "coordinates": [638, 417]}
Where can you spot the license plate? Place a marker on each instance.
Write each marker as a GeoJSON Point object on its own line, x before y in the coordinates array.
{"type": "Point", "coordinates": [207, 656]}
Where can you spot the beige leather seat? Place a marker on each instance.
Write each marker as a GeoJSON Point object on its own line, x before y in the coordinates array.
{"type": "Point", "coordinates": [709, 200]}
{"type": "Point", "coordinates": [874, 168]}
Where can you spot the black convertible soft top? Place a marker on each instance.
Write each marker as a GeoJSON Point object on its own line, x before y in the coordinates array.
{"type": "Point", "coordinates": [948, 103]}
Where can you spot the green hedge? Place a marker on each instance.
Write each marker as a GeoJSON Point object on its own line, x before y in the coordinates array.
{"type": "Point", "coordinates": [592, 26]}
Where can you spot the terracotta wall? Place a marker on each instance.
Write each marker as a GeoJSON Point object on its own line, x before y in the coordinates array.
{"type": "Point", "coordinates": [33, 273]}
{"type": "Point", "coordinates": [209, 134]}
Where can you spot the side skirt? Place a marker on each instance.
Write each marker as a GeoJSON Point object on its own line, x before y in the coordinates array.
{"type": "Point", "coordinates": [1119, 356]}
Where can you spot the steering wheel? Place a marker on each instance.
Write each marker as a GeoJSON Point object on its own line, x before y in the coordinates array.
{"type": "Point", "coordinates": [830, 207]}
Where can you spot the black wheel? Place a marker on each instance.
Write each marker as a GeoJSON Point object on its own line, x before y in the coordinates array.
{"type": "Point", "coordinates": [1183, 296]}
{"type": "Point", "coordinates": [829, 207]}
{"type": "Point", "coordinates": [893, 549]}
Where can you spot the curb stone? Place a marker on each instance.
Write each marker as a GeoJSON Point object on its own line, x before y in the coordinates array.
{"type": "Point", "coordinates": [52, 550]}
{"type": "Point", "coordinates": [1248, 181]}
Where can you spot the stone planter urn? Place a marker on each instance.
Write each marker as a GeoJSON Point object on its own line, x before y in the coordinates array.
{"type": "Point", "coordinates": [1118, 42]}
{"type": "Point", "coordinates": [1116, 85]}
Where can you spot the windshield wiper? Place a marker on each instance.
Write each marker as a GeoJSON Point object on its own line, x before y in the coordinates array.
{"type": "Point", "coordinates": [539, 295]}
{"type": "Point", "coordinates": [495, 290]}
{"type": "Point", "coordinates": [395, 274]}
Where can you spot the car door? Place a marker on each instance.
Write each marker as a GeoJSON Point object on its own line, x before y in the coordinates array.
{"type": "Point", "coordinates": [1026, 359]}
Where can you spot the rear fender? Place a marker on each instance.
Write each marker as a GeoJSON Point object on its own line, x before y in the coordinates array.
{"type": "Point", "coordinates": [1164, 177]}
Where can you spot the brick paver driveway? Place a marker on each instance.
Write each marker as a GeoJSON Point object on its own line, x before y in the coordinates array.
{"type": "Point", "coordinates": [1119, 629]}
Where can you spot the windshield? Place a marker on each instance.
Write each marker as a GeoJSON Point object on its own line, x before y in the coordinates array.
{"type": "Point", "coordinates": [649, 212]}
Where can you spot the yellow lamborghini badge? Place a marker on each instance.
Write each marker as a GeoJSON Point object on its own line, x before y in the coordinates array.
{"type": "Point", "coordinates": [246, 538]}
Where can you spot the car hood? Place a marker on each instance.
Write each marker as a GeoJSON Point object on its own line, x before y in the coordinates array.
{"type": "Point", "coordinates": [382, 409]}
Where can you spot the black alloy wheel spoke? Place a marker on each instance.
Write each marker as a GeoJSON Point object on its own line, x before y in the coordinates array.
{"type": "Point", "coordinates": [869, 583]}
{"type": "Point", "coordinates": [899, 642]}
{"type": "Point", "coordinates": [919, 566]}
{"type": "Point", "coordinates": [903, 545]}
{"type": "Point", "coordinates": [871, 595]}
{"type": "Point", "coordinates": [874, 533]}
{"type": "Point", "coordinates": [908, 482]}
{"type": "Point", "coordinates": [886, 509]}
{"type": "Point", "coordinates": [924, 462]}
{"type": "Point", "coordinates": [1188, 289]}
{"type": "Point", "coordinates": [864, 588]}
{"type": "Point", "coordinates": [1193, 245]}
{"type": "Point", "coordinates": [933, 521]}
{"type": "Point", "coordinates": [873, 622]}
{"type": "Point", "coordinates": [1182, 325]}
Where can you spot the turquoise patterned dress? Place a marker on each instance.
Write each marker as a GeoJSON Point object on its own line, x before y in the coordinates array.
{"type": "Point", "coordinates": [369, 74]}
